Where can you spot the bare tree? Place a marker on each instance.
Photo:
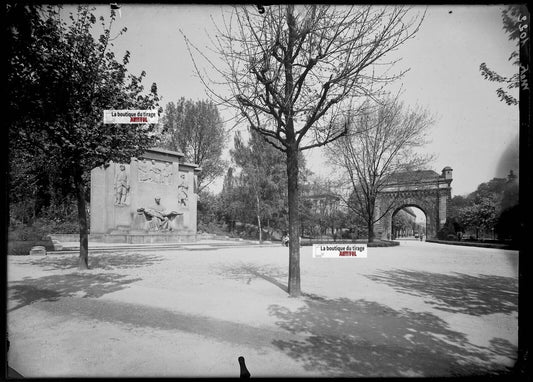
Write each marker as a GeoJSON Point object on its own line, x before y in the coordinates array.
{"type": "Point", "coordinates": [383, 146]}
{"type": "Point", "coordinates": [296, 75]}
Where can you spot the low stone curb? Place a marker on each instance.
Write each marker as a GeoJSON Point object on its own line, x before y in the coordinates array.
{"type": "Point", "coordinates": [148, 248]}
{"type": "Point", "coordinates": [474, 244]}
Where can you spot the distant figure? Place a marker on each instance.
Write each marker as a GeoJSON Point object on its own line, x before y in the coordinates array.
{"type": "Point", "coordinates": [244, 371]}
{"type": "Point", "coordinates": [285, 240]}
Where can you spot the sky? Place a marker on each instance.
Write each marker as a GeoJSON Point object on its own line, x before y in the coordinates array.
{"type": "Point", "coordinates": [475, 133]}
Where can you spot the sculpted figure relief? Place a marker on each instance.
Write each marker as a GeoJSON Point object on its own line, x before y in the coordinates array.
{"type": "Point", "coordinates": [158, 218]}
{"type": "Point", "coordinates": [143, 167]}
{"type": "Point", "coordinates": [154, 171]}
{"type": "Point", "coordinates": [183, 190]}
{"type": "Point", "coordinates": [122, 186]}
{"type": "Point", "coordinates": [167, 173]}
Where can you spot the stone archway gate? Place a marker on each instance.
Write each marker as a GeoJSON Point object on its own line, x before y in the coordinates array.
{"type": "Point", "coordinates": [424, 189]}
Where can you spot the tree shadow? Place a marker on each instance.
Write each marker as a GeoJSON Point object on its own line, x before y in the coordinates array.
{"type": "Point", "coordinates": [105, 261]}
{"type": "Point", "coordinates": [248, 272]}
{"type": "Point", "coordinates": [55, 287]}
{"type": "Point", "coordinates": [458, 293]}
{"type": "Point", "coordinates": [343, 337]}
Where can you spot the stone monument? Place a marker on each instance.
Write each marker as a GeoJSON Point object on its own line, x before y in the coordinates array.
{"type": "Point", "coordinates": [151, 199]}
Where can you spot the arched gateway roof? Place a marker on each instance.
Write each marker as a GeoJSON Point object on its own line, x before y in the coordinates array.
{"type": "Point", "coordinates": [419, 176]}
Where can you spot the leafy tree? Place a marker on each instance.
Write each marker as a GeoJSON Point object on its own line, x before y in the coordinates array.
{"type": "Point", "coordinates": [509, 220]}
{"type": "Point", "coordinates": [382, 147]}
{"type": "Point", "coordinates": [510, 18]}
{"type": "Point", "coordinates": [510, 194]}
{"type": "Point", "coordinates": [196, 129]}
{"type": "Point", "coordinates": [508, 224]}
{"type": "Point", "coordinates": [307, 217]}
{"type": "Point", "coordinates": [456, 204]}
{"type": "Point", "coordinates": [209, 211]}
{"type": "Point", "coordinates": [295, 74]}
{"type": "Point", "coordinates": [325, 212]}
{"type": "Point", "coordinates": [60, 79]}
{"type": "Point", "coordinates": [357, 226]}
{"type": "Point", "coordinates": [494, 188]}
{"type": "Point", "coordinates": [480, 216]}
{"type": "Point", "coordinates": [402, 222]}
{"type": "Point", "coordinates": [232, 199]}
{"type": "Point", "coordinates": [29, 171]}
{"type": "Point", "coordinates": [263, 177]}
{"type": "Point", "coordinates": [334, 221]}
{"type": "Point", "coordinates": [38, 188]}
{"type": "Point", "coordinates": [498, 195]}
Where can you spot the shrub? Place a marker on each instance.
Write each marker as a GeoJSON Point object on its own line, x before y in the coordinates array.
{"type": "Point", "coordinates": [212, 227]}
{"type": "Point", "coordinates": [447, 232]}
{"type": "Point", "coordinates": [508, 224]}
{"type": "Point", "coordinates": [27, 232]}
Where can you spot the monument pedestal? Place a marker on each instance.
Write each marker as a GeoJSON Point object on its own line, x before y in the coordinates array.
{"type": "Point", "coordinates": [149, 238]}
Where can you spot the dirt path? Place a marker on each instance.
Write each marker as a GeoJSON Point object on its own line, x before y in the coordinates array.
{"type": "Point", "coordinates": [416, 310]}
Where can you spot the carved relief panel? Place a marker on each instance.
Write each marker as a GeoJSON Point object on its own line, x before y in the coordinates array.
{"type": "Point", "coordinates": [154, 171]}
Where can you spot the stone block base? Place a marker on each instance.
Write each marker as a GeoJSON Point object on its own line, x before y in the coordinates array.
{"type": "Point", "coordinates": [38, 250]}
{"type": "Point", "coordinates": [149, 238]}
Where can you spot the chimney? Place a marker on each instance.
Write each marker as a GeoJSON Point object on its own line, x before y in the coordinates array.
{"type": "Point", "coordinates": [511, 177]}
{"type": "Point", "coordinates": [447, 173]}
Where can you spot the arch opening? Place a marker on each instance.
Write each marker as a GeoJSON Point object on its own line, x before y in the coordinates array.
{"type": "Point", "coordinates": [409, 222]}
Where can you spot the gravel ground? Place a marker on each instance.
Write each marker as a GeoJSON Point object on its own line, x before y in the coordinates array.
{"type": "Point", "coordinates": [420, 309]}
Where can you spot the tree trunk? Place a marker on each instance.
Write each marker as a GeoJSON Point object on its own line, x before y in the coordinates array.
{"type": "Point", "coordinates": [294, 223]}
{"type": "Point", "coordinates": [83, 260]}
{"type": "Point", "coordinates": [370, 213]}
{"type": "Point", "coordinates": [259, 219]}
{"type": "Point", "coordinates": [292, 161]}
{"type": "Point", "coordinates": [370, 226]}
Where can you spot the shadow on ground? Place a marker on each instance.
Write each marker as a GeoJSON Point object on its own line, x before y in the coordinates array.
{"type": "Point", "coordinates": [343, 337]}
{"type": "Point", "coordinates": [90, 283]}
{"type": "Point", "coordinates": [54, 287]}
{"type": "Point", "coordinates": [105, 261]}
{"type": "Point", "coordinates": [458, 293]}
{"type": "Point", "coordinates": [247, 272]}
{"type": "Point", "coordinates": [361, 338]}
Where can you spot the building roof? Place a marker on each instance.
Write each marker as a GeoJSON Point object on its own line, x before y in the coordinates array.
{"type": "Point", "coordinates": [413, 177]}
{"type": "Point", "coordinates": [165, 151]}
{"type": "Point", "coordinates": [327, 196]}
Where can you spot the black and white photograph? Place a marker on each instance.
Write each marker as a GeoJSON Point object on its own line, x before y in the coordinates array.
{"type": "Point", "coordinates": [266, 191]}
